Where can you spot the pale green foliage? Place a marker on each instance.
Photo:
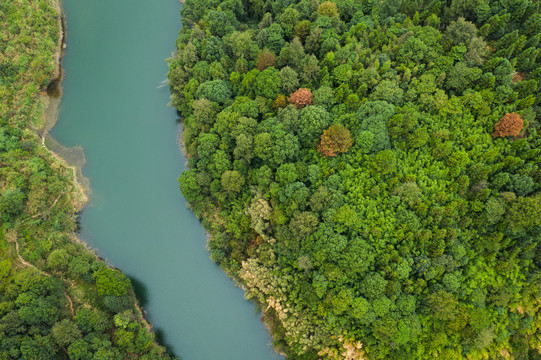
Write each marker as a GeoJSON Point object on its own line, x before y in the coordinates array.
{"type": "Point", "coordinates": [232, 181]}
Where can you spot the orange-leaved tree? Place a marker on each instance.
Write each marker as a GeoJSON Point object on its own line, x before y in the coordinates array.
{"type": "Point", "coordinates": [301, 98]}
{"type": "Point", "coordinates": [509, 125]}
{"type": "Point", "coordinates": [336, 139]}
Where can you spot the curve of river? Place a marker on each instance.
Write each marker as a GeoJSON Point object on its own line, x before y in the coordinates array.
{"type": "Point", "coordinates": [115, 106]}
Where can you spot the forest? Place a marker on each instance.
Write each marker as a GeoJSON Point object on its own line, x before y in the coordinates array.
{"type": "Point", "coordinates": [369, 171]}
{"type": "Point", "coordinates": [58, 300]}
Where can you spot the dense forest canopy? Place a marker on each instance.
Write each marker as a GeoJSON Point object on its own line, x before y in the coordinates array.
{"type": "Point", "coordinates": [57, 299]}
{"type": "Point", "coordinates": [369, 171]}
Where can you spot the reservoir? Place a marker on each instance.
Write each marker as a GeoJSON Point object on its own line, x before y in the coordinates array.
{"type": "Point", "coordinates": [115, 106]}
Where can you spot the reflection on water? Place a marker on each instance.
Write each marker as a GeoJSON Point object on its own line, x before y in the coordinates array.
{"type": "Point", "coordinates": [141, 291]}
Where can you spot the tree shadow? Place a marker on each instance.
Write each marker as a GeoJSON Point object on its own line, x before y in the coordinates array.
{"type": "Point", "coordinates": [141, 292]}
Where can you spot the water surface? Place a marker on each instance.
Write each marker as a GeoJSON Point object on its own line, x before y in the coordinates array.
{"type": "Point", "coordinates": [115, 107]}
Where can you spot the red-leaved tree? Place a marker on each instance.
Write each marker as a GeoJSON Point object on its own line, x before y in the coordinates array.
{"type": "Point", "coordinates": [509, 125]}
{"type": "Point", "coordinates": [301, 98]}
{"type": "Point", "coordinates": [336, 139]}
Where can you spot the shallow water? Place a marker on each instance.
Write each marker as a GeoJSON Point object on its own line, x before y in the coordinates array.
{"type": "Point", "coordinates": [115, 107]}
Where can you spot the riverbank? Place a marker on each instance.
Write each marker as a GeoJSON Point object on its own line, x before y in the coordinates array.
{"type": "Point", "coordinates": [50, 102]}
{"type": "Point", "coordinates": [81, 184]}
{"type": "Point", "coordinates": [42, 259]}
{"type": "Point", "coordinates": [115, 106]}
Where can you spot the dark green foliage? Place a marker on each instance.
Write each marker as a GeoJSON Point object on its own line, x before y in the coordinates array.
{"type": "Point", "coordinates": [313, 120]}
{"type": "Point", "coordinates": [111, 282]}
{"type": "Point", "coordinates": [268, 83]}
{"type": "Point", "coordinates": [189, 186]}
{"type": "Point", "coordinates": [11, 203]}
{"type": "Point", "coordinates": [215, 90]}
{"type": "Point", "coordinates": [422, 240]}
{"type": "Point", "coordinates": [116, 304]}
{"type": "Point", "coordinates": [522, 185]}
{"type": "Point", "coordinates": [65, 332]}
{"type": "Point", "coordinates": [373, 116]}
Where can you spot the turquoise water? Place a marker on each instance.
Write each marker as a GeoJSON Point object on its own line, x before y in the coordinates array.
{"type": "Point", "coordinates": [115, 106]}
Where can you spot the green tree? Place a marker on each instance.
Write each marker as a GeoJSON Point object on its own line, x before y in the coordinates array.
{"type": "Point", "coordinates": [245, 147]}
{"type": "Point", "coordinates": [310, 69]}
{"type": "Point", "coordinates": [324, 96]}
{"type": "Point", "coordinates": [289, 116]}
{"type": "Point", "coordinates": [303, 224]}
{"type": "Point", "coordinates": [263, 146]}
{"type": "Point", "coordinates": [275, 38]}
{"type": "Point", "coordinates": [524, 213]}
{"type": "Point", "coordinates": [189, 186]}
{"type": "Point", "coordinates": [342, 73]}
{"type": "Point", "coordinates": [242, 44]}
{"type": "Point", "coordinates": [365, 141]}
{"type": "Point", "coordinates": [292, 54]}
{"type": "Point", "coordinates": [268, 83]}
{"type": "Point", "coordinates": [85, 318]}
{"type": "Point", "coordinates": [232, 181]}
{"type": "Point", "coordinates": [313, 119]}
{"type": "Point", "coordinates": [462, 77]}
{"type": "Point", "coordinates": [65, 332]}
{"type": "Point", "coordinates": [208, 144]}
{"type": "Point", "coordinates": [442, 305]}
{"type": "Point", "coordinates": [406, 304]}
{"type": "Point", "coordinates": [78, 350]}
{"type": "Point", "coordinates": [111, 282]}
{"type": "Point", "coordinates": [477, 51]}
{"type": "Point", "coordinates": [58, 259]}
{"type": "Point", "coordinates": [286, 173]}
{"type": "Point", "coordinates": [460, 31]}
{"type": "Point", "coordinates": [289, 18]}
{"type": "Point", "coordinates": [221, 22]}
{"type": "Point", "coordinates": [289, 79]}
{"type": "Point", "coordinates": [382, 305]}
{"type": "Point", "coordinates": [373, 285]}
{"type": "Point", "coordinates": [522, 185]}
{"type": "Point", "coordinates": [215, 91]}
{"type": "Point", "coordinates": [11, 203]}
{"type": "Point", "coordinates": [204, 111]}
{"type": "Point", "coordinates": [373, 116]}
{"type": "Point", "coordinates": [389, 91]}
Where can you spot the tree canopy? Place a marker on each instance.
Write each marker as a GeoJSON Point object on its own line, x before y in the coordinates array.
{"type": "Point", "coordinates": [381, 199]}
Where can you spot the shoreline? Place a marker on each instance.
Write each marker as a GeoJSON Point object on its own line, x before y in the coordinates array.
{"type": "Point", "coordinates": [80, 183]}
{"type": "Point", "coordinates": [49, 115]}
{"type": "Point", "coordinates": [237, 281]}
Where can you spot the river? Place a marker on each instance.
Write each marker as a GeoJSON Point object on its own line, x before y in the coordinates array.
{"type": "Point", "coordinates": [115, 106]}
